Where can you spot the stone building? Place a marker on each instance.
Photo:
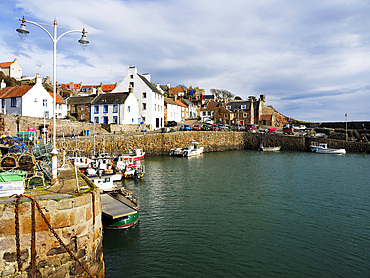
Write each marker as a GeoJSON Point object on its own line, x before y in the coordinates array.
{"type": "Point", "coordinates": [80, 107]}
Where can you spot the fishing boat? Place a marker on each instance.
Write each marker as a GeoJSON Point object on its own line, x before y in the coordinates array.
{"type": "Point", "coordinates": [137, 154]}
{"type": "Point", "coordinates": [103, 174]}
{"type": "Point", "coordinates": [323, 148]}
{"type": "Point", "coordinates": [120, 209]}
{"type": "Point", "coordinates": [192, 150]}
{"type": "Point", "coordinates": [130, 169]}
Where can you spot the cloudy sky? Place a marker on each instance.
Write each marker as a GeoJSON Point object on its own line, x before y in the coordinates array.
{"type": "Point", "coordinates": [310, 58]}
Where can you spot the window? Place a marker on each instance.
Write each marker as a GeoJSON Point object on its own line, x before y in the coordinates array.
{"type": "Point", "coordinates": [105, 108]}
{"type": "Point", "coordinates": [144, 106]}
{"type": "Point", "coordinates": [69, 107]}
{"type": "Point", "coordinates": [131, 76]}
{"type": "Point", "coordinates": [225, 115]}
{"type": "Point", "coordinates": [243, 107]}
{"type": "Point", "coordinates": [82, 116]}
{"type": "Point", "coordinates": [155, 107]}
{"type": "Point", "coordinates": [45, 103]}
{"type": "Point", "coordinates": [13, 102]}
{"type": "Point", "coordinates": [228, 107]}
{"type": "Point", "coordinates": [144, 94]}
{"type": "Point", "coordinates": [46, 114]}
{"type": "Point", "coordinates": [105, 120]}
{"type": "Point", "coordinates": [128, 109]}
{"type": "Point", "coordinates": [115, 108]}
{"type": "Point", "coordinates": [96, 109]}
{"type": "Point", "coordinates": [82, 107]}
{"type": "Point", "coordinates": [115, 119]}
{"type": "Point", "coordinates": [132, 84]}
{"type": "Point", "coordinates": [76, 108]}
{"type": "Point", "coordinates": [143, 119]}
{"type": "Point", "coordinates": [96, 120]}
{"type": "Point", "coordinates": [244, 115]}
{"type": "Point", "coordinates": [3, 103]}
{"type": "Point", "coordinates": [132, 120]}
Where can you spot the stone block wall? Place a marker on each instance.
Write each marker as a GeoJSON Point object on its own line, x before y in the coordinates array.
{"type": "Point", "coordinates": [161, 143]}
{"type": "Point", "coordinates": [77, 221]}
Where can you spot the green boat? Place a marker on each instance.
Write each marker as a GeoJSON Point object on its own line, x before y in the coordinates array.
{"type": "Point", "coordinates": [12, 182]}
{"type": "Point", "coordinates": [120, 209]}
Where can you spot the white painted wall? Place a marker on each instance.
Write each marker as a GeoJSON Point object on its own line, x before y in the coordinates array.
{"type": "Point", "coordinates": [154, 102]}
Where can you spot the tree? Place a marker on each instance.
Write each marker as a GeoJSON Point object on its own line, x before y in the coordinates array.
{"type": "Point", "coordinates": [220, 93]}
{"type": "Point", "coordinates": [9, 81]}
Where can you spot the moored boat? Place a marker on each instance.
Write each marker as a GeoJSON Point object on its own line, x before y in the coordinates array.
{"type": "Point", "coordinates": [270, 149]}
{"type": "Point", "coordinates": [323, 148]}
{"type": "Point", "coordinates": [120, 209]}
{"type": "Point", "coordinates": [12, 182]}
{"type": "Point", "coordinates": [192, 150]}
{"type": "Point", "coordinates": [130, 169]}
{"type": "Point", "coordinates": [137, 154]}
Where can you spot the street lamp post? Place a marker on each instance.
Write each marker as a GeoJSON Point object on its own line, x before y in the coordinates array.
{"type": "Point", "coordinates": [23, 32]}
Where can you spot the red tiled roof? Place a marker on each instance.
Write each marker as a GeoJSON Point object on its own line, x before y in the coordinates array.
{"type": "Point", "coordinates": [211, 106]}
{"type": "Point", "coordinates": [109, 87]}
{"type": "Point", "coordinates": [180, 103]}
{"type": "Point", "coordinates": [59, 99]}
{"type": "Point", "coordinates": [16, 91]}
{"type": "Point", "coordinates": [90, 86]}
{"type": "Point", "coordinates": [176, 90]}
{"type": "Point", "coordinates": [6, 64]}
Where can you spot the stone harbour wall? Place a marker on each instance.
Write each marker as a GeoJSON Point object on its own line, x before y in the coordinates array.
{"type": "Point", "coordinates": [76, 220]}
{"type": "Point", "coordinates": [161, 143]}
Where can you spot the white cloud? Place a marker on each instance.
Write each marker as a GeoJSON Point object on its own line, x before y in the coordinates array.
{"type": "Point", "coordinates": [310, 58]}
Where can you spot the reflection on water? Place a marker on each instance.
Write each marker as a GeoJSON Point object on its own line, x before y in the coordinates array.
{"type": "Point", "coordinates": [247, 213]}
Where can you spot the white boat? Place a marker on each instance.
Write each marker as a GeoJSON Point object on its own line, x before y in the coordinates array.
{"type": "Point", "coordinates": [138, 154]}
{"type": "Point", "coordinates": [192, 150]}
{"type": "Point", "coordinates": [323, 148]}
{"type": "Point", "coordinates": [270, 149]}
{"type": "Point", "coordinates": [130, 169]}
{"type": "Point", "coordinates": [81, 161]}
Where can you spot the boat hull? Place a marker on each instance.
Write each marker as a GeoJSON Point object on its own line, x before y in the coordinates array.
{"type": "Point", "coordinates": [122, 223]}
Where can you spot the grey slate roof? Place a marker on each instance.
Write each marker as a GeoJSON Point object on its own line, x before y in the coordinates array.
{"type": "Point", "coordinates": [170, 101]}
{"type": "Point", "coordinates": [81, 100]}
{"type": "Point", "coordinates": [111, 98]}
{"type": "Point", "coordinates": [149, 84]}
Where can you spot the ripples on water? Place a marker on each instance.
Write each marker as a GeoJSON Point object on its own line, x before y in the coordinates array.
{"type": "Point", "coordinates": [247, 214]}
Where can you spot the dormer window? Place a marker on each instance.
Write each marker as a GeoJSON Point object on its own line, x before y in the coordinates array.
{"type": "Point", "coordinates": [243, 107]}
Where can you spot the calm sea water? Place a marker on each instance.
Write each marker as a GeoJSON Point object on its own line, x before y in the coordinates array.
{"type": "Point", "coordinates": [248, 214]}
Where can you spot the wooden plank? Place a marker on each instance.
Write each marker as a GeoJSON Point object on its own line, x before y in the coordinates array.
{"type": "Point", "coordinates": [114, 208]}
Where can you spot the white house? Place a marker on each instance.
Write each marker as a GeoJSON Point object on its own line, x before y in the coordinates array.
{"type": "Point", "coordinates": [173, 110]}
{"type": "Point", "coordinates": [115, 108]}
{"type": "Point", "coordinates": [148, 96]}
{"type": "Point", "coordinates": [12, 69]}
{"type": "Point", "coordinates": [31, 100]}
{"type": "Point", "coordinates": [193, 109]}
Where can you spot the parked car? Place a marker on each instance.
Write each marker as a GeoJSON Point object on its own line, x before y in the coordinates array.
{"type": "Point", "coordinates": [239, 127]}
{"type": "Point", "coordinates": [272, 129]}
{"type": "Point", "coordinates": [222, 127]}
{"type": "Point", "coordinates": [171, 123]}
{"type": "Point", "coordinates": [195, 127]}
{"type": "Point", "coordinates": [215, 127]}
{"type": "Point", "coordinates": [250, 127]}
{"type": "Point", "coordinates": [185, 128]}
{"type": "Point", "coordinates": [205, 127]}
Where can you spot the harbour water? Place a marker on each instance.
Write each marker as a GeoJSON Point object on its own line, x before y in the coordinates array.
{"type": "Point", "coordinates": [247, 214]}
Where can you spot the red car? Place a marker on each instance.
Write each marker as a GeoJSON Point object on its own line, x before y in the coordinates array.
{"type": "Point", "coordinates": [195, 127]}
{"type": "Point", "coordinates": [214, 127]}
{"type": "Point", "coordinates": [249, 127]}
